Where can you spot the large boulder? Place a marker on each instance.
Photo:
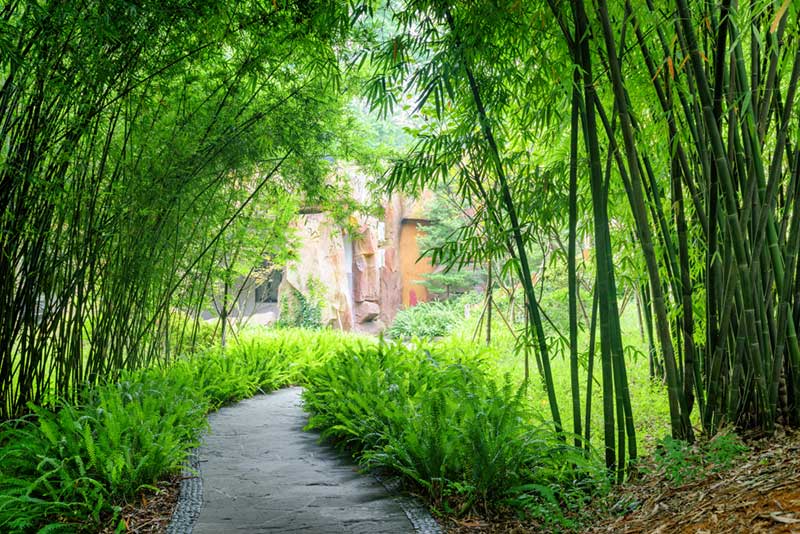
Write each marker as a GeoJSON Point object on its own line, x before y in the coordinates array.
{"type": "Point", "coordinates": [366, 312]}
{"type": "Point", "coordinates": [319, 273]}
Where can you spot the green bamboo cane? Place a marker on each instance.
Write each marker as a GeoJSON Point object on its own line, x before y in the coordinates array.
{"type": "Point", "coordinates": [679, 416]}
{"type": "Point", "coordinates": [524, 267]}
{"type": "Point", "coordinates": [572, 281]}
{"type": "Point", "coordinates": [582, 57]}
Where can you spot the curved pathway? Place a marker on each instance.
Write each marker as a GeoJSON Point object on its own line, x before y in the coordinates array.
{"type": "Point", "coordinates": [262, 473]}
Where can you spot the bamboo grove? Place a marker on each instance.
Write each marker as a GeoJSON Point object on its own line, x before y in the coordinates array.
{"type": "Point", "coordinates": [665, 131]}
{"type": "Point", "coordinates": [133, 137]}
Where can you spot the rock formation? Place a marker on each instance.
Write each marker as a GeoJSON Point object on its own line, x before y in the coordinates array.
{"type": "Point", "coordinates": [360, 280]}
{"type": "Point", "coordinates": [319, 272]}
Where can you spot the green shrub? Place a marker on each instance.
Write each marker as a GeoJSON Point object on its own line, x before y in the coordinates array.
{"type": "Point", "coordinates": [466, 440]}
{"type": "Point", "coordinates": [427, 320]}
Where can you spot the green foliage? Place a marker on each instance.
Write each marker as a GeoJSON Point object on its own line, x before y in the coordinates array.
{"type": "Point", "coordinates": [78, 463]}
{"type": "Point", "coordinates": [447, 217]}
{"type": "Point", "coordinates": [440, 420]}
{"type": "Point", "coordinates": [300, 311]}
{"type": "Point", "coordinates": [259, 363]}
{"type": "Point", "coordinates": [193, 131]}
{"type": "Point", "coordinates": [650, 407]}
{"type": "Point", "coordinates": [427, 319]}
{"type": "Point", "coordinates": [681, 462]}
{"type": "Point", "coordinates": [72, 468]}
{"type": "Point", "coordinates": [185, 335]}
{"type": "Point", "coordinates": [375, 140]}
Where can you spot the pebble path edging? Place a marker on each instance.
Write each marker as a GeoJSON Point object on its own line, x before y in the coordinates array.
{"type": "Point", "coordinates": [415, 510]}
{"type": "Point", "coordinates": [190, 498]}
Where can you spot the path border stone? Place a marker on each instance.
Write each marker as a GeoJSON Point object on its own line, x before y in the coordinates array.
{"type": "Point", "coordinates": [190, 497]}
{"type": "Point", "coordinates": [190, 500]}
{"type": "Point", "coordinates": [415, 510]}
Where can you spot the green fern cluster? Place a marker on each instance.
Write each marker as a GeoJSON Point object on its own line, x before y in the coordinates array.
{"type": "Point", "coordinates": [71, 468]}
{"type": "Point", "coordinates": [469, 441]}
{"type": "Point", "coordinates": [427, 320]}
{"type": "Point", "coordinates": [259, 363]}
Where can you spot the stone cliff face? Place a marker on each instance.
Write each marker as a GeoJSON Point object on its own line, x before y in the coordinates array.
{"type": "Point", "coordinates": [366, 277]}
{"type": "Point", "coordinates": [360, 280]}
{"type": "Point", "coordinates": [390, 276]}
{"type": "Point", "coordinates": [320, 272]}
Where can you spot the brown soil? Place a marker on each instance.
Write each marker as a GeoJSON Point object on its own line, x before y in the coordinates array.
{"type": "Point", "coordinates": [151, 512]}
{"type": "Point", "coordinates": [475, 526]}
{"type": "Point", "coordinates": [760, 494]}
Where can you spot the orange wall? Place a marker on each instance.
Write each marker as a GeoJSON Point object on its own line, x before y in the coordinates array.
{"type": "Point", "coordinates": [411, 271]}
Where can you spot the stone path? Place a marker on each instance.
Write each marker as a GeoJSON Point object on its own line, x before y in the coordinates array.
{"type": "Point", "coordinates": [262, 473]}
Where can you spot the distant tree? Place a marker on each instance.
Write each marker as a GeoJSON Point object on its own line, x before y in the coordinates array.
{"type": "Point", "coordinates": [447, 216]}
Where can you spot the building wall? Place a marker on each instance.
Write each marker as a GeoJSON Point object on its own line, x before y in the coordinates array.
{"type": "Point", "coordinates": [412, 269]}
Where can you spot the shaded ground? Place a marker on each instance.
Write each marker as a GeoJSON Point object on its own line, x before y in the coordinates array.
{"type": "Point", "coordinates": [152, 510]}
{"type": "Point", "coordinates": [760, 494]}
{"type": "Point", "coordinates": [262, 473]}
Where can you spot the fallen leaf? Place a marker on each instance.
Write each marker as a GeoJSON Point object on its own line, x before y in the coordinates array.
{"type": "Point", "coordinates": [776, 516]}
{"type": "Point", "coordinates": [778, 16]}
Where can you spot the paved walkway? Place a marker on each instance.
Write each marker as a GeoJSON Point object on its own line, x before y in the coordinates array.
{"type": "Point", "coordinates": [262, 473]}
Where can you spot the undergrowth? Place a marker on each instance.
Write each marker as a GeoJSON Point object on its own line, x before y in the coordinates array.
{"type": "Point", "coordinates": [427, 319]}
{"type": "Point", "coordinates": [469, 442]}
{"type": "Point", "coordinates": [444, 416]}
{"type": "Point", "coordinates": [681, 462]}
{"type": "Point", "coordinates": [71, 468]}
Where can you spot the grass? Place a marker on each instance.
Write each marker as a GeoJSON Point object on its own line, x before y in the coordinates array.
{"type": "Point", "coordinates": [649, 398]}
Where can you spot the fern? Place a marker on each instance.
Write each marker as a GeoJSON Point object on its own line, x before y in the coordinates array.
{"type": "Point", "coordinates": [442, 422]}
{"type": "Point", "coordinates": [88, 441]}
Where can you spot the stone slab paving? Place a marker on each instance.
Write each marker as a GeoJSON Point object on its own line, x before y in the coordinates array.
{"type": "Point", "coordinates": [262, 473]}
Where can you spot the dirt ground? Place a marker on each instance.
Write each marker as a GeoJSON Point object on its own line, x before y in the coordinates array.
{"type": "Point", "coordinates": [151, 512]}
{"type": "Point", "coordinates": [759, 494]}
